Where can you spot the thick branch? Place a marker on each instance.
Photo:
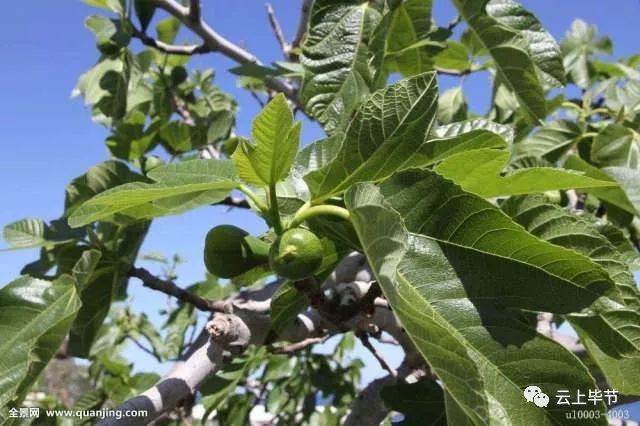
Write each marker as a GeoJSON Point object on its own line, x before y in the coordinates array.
{"type": "Point", "coordinates": [194, 10]}
{"type": "Point", "coordinates": [170, 288]}
{"type": "Point", "coordinates": [228, 333]}
{"type": "Point", "coordinates": [217, 43]}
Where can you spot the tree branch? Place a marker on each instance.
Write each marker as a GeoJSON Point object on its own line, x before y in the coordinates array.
{"type": "Point", "coordinates": [295, 347]}
{"type": "Point", "coordinates": [236, 202]}
{"type": "Point", "coordinates": [170, 288]}
{"type": "Point", "coordinates": [194, 11]}
{"type": "Point", "coordinates": [228, 333]}
{"type": "Point", "coordinates": [217, 43]}
{"type": "Point", "coordinates": [303, 23]}
{"type": "Point", "coordinates": [378, 356]}
{"type": "Point", "coordinates": [172, 49]}
{"type": "Point", "coordinates": [246, 320]}
{"type": "Point", "coordinates": [368, 407]}
{"type": "Point", "coordinates": [277, 31]}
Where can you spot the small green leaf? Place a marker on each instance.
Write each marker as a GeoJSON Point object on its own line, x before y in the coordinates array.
{"type": "Point", "coordinates": [286, 304]}
{"type": "Point", "coordinates": [452, 106]}
{"type": "Point", "coordinates": [167, 29]}
{"type": "Point", "coordinates": [454, 58]}
{"type": "Point", "coordinates": [614, 195]}
{"type": "Point", "coordinates": [276, 140]}
{"type": "Point", "coordinates": [580, 43]}
{"type": "Point", "coordinates": [25, 233]}
{"type": "Point", "coordinates": [616, 145]}
{"type": "Point", "coordinates": [551, 141]}
{"type": "Point", "coordinates": [85, 267]}
{"type": "Point", "coordinates": [144, 11]}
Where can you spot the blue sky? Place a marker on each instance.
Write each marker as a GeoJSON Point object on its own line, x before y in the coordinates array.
{"type": "Point", "coordinates": [47, 138]}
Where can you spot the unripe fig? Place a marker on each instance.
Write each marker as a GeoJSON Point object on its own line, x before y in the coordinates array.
{"type": "Point", "coordinates": [230, 251]}
{"type": "Point", "coordinates": [296, 254]}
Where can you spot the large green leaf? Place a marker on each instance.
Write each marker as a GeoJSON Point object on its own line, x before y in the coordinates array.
{"type": "Point", "coordinates": [335, 58]}
{"type": "Point", "coordinates": [534, 274]}
{"type": "Point", "coordinates": [474, 232]}
{"type": "Point", "coordinates": [276, 140]}
{"type": "Point", "coordinates": [137, 199]}
{"type": "Point", "coordinates": [386, 134]}
{"type": "Point", "coordinates": [551, 141]}
{"type": "Point", "coordinates": [479, 171]}
{"type": "Point", "coordinates": [484, 355]}
{"type": "Point", "coordinates": [421, 403]}
{"type": "Point", "coordinates": [509, 50]}
{"type": "Point", "coordinates": [616, 145]}
{"type": "Point", "coordinates": [545, 52]}
{"type": "Point", "coordinates": [35, 316]}
{"type": "Point", "coordinates": [616, 328]}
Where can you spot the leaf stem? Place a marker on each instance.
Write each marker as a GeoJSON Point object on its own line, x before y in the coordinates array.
{"type": "Point", "coordinates": [273, 209]}
{"type": "Point", "coordinates": [254, 199]}
{"type": "Point", "coordinates": [308, 212]}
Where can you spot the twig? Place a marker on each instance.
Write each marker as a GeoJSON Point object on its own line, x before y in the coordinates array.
{"type": "Point", "coordinates": [237, 202]}
{"type": "Point", "coordinates": [383, 362]}
{"type": "Point", "coordinates": [303, 23]}
{"type": "Point", "coordinates": [217, 43]}
{"type": "Point", "coordinates": [453, 73]}
{"type": "Point", "coordinates": [295, 347]}
{"type": "Point", "coordinates": [454, 22]}
{"type": "Point", "coordinates": [277, 31]}
{"type": "Point", "coordinates": [257, 98]}
{"type": "Point", "coordinates": [194, 11]}
{"type": "Point", "coordinates": [145, 349]}
{"type": "Point", "coordinates": [172, 49]}
{"type": "Point", "coordinates": [385, 338]}
{"type": "Point", "coordinates": [181, 110]}
{"type": "Point", "coordinates": [168, 287]}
